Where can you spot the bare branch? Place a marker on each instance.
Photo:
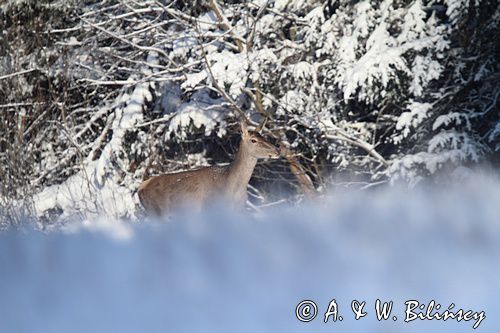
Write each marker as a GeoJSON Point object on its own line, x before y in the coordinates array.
{"type": "Point", "coordinates": [224, 23]}
{"type": "Point", "coordinates": [353, 140]}
{"type": "Point", "coordinates": [216, 86]}
{"type": "Point", "coordinates": [18, 73]}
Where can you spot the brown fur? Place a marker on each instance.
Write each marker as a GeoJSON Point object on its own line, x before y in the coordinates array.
{"type": "Point", "coordinates": [196, 188]}
{"type": "Point", "coordinates": [164, 193]}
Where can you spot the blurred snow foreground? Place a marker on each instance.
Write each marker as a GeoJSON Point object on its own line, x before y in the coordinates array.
{"type": "Point", "coordinates": [222, 272]}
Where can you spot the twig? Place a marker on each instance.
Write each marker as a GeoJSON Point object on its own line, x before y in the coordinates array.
{"type": "Point", "coordinates": [295, 167]}
{"type": "Point", "coordinates": [18, 73]}
{"type": "Point", "coordinates": [137, 46]}
{"type": "Point", "coordinates": [216, 85]}
{"type": "Point", "coordinates": [344, 136]}
{"type": "Point", "coordinates": [254, 25]}
{"type": "Point", "coordinates": [270, 204]}
{"type": "Point", "coordinates": [159, 120]}
{"type": "Point", "coordinates": [13, 105]}
{"type": "Point", "coordinates": [224, 23]}
{"type": "Point", "coordinates": [287, 16]}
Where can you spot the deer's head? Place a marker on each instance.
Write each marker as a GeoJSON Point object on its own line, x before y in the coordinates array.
{"type": "Point", "coordinates": [256, 145]}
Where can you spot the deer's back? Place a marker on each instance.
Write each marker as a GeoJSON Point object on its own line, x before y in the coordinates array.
{"type": "Point", "coordinates": [194, 188]}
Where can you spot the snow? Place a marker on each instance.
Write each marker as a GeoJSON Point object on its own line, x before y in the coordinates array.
{"type": "Point", "coordinates": [292, 101]}
{"type": "Point", "coordinates": [447, 119]}
{"type": "Point", "coordinates": [377, 65]}
{"type": "Point", "coordinates": [82, 197]}
{"type": "Point", "coordinates": [6, 5]}
{"type": "Point", "coordinates": [223, 272]}
{"type": "Point", "coordinates": [363, 19]}
{"type": "Point", "coordinates": [303, 71]}
{"type": "Point", "coordinates": [417, 113]}
{"type": "Point", "coordinates": [207, 21]}
{"type": "Point", "coordinates": [494, 134]}
{"type": "Point", "coordinates": [454, 8]}
{"type": "Point", "coordinates": [443, 148]}
{"type": "Point", "coordinates": [266, 23]}
{"type": "Point", "coordinates": [94, 189]}
{"type": "Point", "coordinates": [371, 55]}
{"type": "Point", "coordinates": [381, 75]}
{"type": "Point", "coordinates": [193, 80]}
{"type": "Point", "coordinates": [461, 146]}
{"type": "Point", "coordinates": [182, 46]}
{"type": "Point", "coordinates": [258, 59]}
{"type": "Point", "coordinates": [413, 23]}
{"type": "Point", "coordinates": [200, 112]}
{"type": "Point", "coordinates": [124, 120]}
{"type": "Point", "coordinates": [229, 69]}
{"type": "Point", "coordinates": [424, 70]}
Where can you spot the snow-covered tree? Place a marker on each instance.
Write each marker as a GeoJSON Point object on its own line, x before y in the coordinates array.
{"type": "Point", "coordinates": [100, 94]}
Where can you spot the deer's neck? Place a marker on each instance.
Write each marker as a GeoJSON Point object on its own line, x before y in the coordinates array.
{"type": "Point", "coordinates": [240, 171]}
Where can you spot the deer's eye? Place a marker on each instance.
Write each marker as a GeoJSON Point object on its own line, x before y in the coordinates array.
{"type": "Point", "coordinates": [253, 140]}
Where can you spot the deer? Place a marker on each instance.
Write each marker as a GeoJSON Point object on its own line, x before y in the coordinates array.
{"type": "Point", "coordinates": [196, 189]}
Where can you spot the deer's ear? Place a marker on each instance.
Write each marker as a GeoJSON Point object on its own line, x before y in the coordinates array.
{"type": "Point", "coordinates": [244, 129]}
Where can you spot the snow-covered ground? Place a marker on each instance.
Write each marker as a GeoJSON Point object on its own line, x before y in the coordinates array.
{"type": "Point", "coordinates": [228, 273]}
